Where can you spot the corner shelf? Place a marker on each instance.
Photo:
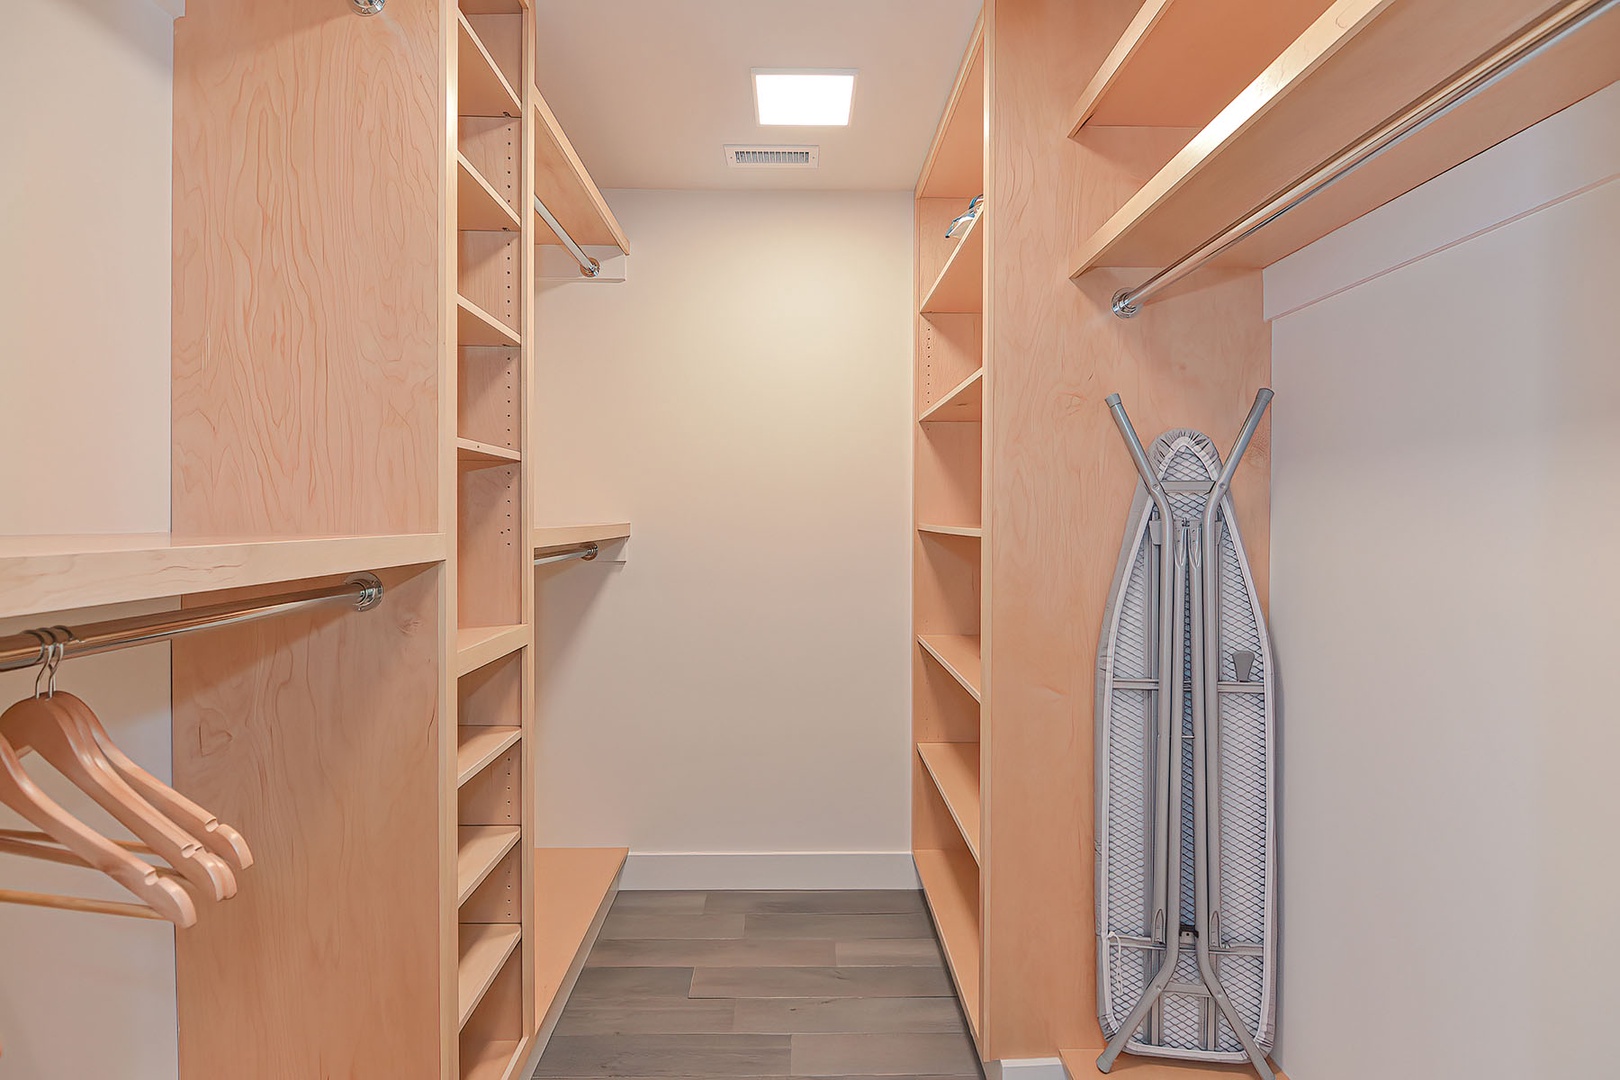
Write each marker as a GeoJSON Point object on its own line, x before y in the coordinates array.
{"type": "Point", "coordinates": [974, 531]}
{"type": "Point", "coordinates": [959, 288]}
{"type": "Point", "coordinates": [479, 849]}
{"type": "Point", "coordinates": [483, 949]}
{"type": "Point", "coordinates": [547, 537]}
{"type": "Point", "coordinates": [58, 573]}
{"type": "Point", "coordinates": [475, 326]}
{"type": "Point", "coordinates": [573, 889]}
{"type": "Point", "coordinates": [958, 654]}
{"type": "Point", "coordinates": [480, 645]}
{"type": "Point", "coordinates": [964, 404]}
{"type": "Point", "coordinates": [479, 207]}
{"type": "Point", "coordinates": [1339, 80]}
{"type": "Point", "coordinates": [478, 747]}
{"type": "Point", "coordinates": [483, 90]}
{"type": "Point", "coordinates": [567, 189]}
{"type": "Point", "coordinates": [1180, 61]}
{"type": "Point", "coordinates": [470, 452]}
{"type": "Point", "coordinates": [950, 883]}
{"type": "Point", "coordinates": [955, 771]}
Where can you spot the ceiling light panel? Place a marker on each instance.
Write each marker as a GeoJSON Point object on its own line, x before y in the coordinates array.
{"type": "Point", "coordinates": [804, 97]}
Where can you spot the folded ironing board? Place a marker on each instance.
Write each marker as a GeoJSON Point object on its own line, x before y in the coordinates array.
{"type": "Point", "coordinates": [1186, 832]}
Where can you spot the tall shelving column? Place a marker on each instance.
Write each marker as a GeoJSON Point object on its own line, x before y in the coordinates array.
{"type": "Point", "coordinates": [491, 981]}
{"type": "Point", "coordinates": [948, 579]}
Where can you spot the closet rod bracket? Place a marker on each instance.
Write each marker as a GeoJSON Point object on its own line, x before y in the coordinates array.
{"type": "Point", "coordinates": [368, 7]}
{"type": "Point", "coordinates": [1122, 306]}
{"type": "Point", "coordinates": [371, 590]}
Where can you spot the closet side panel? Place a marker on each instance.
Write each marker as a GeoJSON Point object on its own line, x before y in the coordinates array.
{"type": "Point", "coordinates": [316, 736]}
{"type": "Point", "coordinates": [1059, 484]}
{"type": "Point", "coordinates": [307, 195]}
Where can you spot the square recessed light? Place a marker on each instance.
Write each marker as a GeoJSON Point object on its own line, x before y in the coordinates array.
{"type": "Point", "coordinates": [785, 97]}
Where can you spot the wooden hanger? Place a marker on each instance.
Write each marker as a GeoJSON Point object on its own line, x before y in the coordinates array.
{"type": "Point", "coordinates": [19, 791]}
{"type": "Point", "coordinates": [41, 725]}
{"type": "Point", "coordinates": [218, 837]}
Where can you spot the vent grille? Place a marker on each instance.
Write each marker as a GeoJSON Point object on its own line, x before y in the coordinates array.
{"type": "Point", "coordinates": [773, 157]}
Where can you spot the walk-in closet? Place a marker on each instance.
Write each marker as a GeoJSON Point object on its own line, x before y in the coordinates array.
{"type": "Point", "coordinates": [1009, 539]}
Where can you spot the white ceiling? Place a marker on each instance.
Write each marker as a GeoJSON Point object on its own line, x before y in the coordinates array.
{"type": "Point", "coordinates": [650, 91]}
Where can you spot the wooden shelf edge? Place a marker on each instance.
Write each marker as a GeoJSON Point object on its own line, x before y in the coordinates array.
{"type": "Point", "coordinates": [555, 157]}
{"type": "Point", "coordinates": [496, 1060]}
{"type": "Point", "coordinates": [966, 260]}
{"type": "Point", "coordinates": [974, 531]}
{"type": "Point", "coordinates": [479, 849]}
{"type": "Point", "coordinates": [493, 331]}
{"type": "Point", "coordinates": [59, 573]}
{"type": "Point", "coordinates": [478, 747]}
{"type": "Point", "coordinates": [1129, 42]}
{"type": "Point", "coordinates": [940, 647]}
{"type": "Point", "coordinates": [485, 949]}
{"type": "Point", "coordinates": [508, 96]}
{"type": "Point", "coordinates": [473, 452]}
{"type": "Point", "coordinates": [970, 391]}
{"type": "Point", "coordinates": [547, 537]}
{"type": "Point", "coordinates": [480, 645]}
{"type": "Point", "coordinates": [1082, 1065]}
{"type": "Point", "coordinates": [954, 907]}
{"type": "Point", "coordinates": [509, 220]}
{"type": "Point", "coordinates": [955, 773]}
{"type": "Point", "coordinates": [573, 890]}
{"type": "Point", "coordinates": [942, 146]}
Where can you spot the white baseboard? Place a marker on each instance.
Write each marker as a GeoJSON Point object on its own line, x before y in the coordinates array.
{"type": "Point", "coordinates": [1027, 1069]}
{"type": "Point", "coordinates": [769, 870]}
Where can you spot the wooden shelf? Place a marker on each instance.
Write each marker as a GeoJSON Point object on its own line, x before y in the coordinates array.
{"type": "Point", "coordinates": [474, 453]}
{"type": "Point", "coordinates": [484, 947]}
{"type": "Point", "coordinates": [476, 747]}
{"type": "Point", "coordinates": [482, 88]}
{"type": "Point", "coordinates": [960, 286]}
{"type": "Point", "coordinates": [573, 889]}
{"type": "Point", "coordinates": [955, 164]}
{"type": "Point", "coordinates": [547, 537]}
{"type": "Point", "coordinates": [1082, 1065]}
{"type": "Point", "coordinates": [974, 531]}
{"type": "Point", "coordinates": [58, 573]}
{"type": "Point", "coordinates": [950, 882]}
{"type": "Point", "coordinates": [955, 769]}
{"type": "Point", "coordinates": [480, 645]}
{"type": "Point", "coordinates": [480, 848]}
{"type": "Point", "coordinates": [475, 326]}
{"type": "Point", "coordinates": [1355, 67]}
{"type": "Point", "coordinates": [493, 1061]}
{"type": "Point", "coordinates": [567, 189]}
{"type": "Point", "coordinates": [957, 654]}
{"type": "Point", "coordinates": [964, 404]}
{"type": "Point", "coordinates": [492, 7]}
{"type": "Point", "coordinates": [1179, 62]}
{"type": "Point", "coordinates": [479, 207]}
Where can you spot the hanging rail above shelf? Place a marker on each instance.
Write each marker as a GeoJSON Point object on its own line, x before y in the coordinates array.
{"type": "Point", "coordinates": [589, 266]}
{"type": "Point", "coordinates": [33, 647]}
{"type": "Point", "coordinates": [1483, 72]}
{"type": "Point", "coordinates": [586, 551]}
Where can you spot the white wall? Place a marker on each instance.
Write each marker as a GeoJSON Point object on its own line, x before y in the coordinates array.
{"type": "Point", "coordinates": [1445, 507]}
{"type": "Point", "coordinates": [739, 684]}
{"type": "Point", "coordinates": [85, 134]}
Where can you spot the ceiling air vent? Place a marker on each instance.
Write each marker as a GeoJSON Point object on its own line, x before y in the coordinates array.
{"type": "Point", "coordinates": [773, 157]}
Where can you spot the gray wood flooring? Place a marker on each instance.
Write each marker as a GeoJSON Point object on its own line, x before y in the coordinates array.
{"type": "Point", "coordinates": [689, 985]}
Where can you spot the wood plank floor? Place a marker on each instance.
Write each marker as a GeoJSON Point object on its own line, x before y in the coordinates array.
{"type": "Point", "coordinates": [837, 985]}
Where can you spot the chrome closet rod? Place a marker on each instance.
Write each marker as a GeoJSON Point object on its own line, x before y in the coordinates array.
{"type": "Point", "coordinates": [1541, 35]}
{"type": "Point", "coordinates": [31, 648]}
{"type": "Point", "coordinates": [584, 551]}
{"type": "Point", "coordinates": [589, 265]}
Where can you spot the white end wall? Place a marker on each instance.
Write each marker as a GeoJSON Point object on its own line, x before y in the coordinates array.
{"type": "Point", "coordinates": [1445, 507]}
{"type": "Point", "coordinates": [737, 686]}
{"type": "Point", "coordinates": [85, 194]}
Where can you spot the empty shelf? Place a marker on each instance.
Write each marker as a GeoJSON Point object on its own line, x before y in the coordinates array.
{"type": "Point", "coordinates": [950, 883]}
{"type": "Point", "coordinates": [481, 848]}
{"type": "Point", "coordinates": [974, 531]}
{"type": "Point", "coordinates": [475, 326]}
{"type": "Point", "coordinates": [955, 165]}
{"type": "Point", "coordinates": [482, 89]}
{"type": "Point", "coordinates": [484, 947]}
{"type": "Point", "coordinates": [471, 452]}
{"type": "Point", "coordinates": [480, 645]}
{"type": "Point", "coordinates": [493, 1060]}
{"type": "Point", "coordinates": [547, 537]}
{"type": "Point", "coordinates": [573, 888]}
{"type": "Point", "coordinates": [963, 404]}
{"type": "Point", "coordinates": [958, 654]}
{"type": "Point", "coordinates": [960, 286]}
{"type": "Point", "coordinates": [955, 769]}
{"type": "Point", "coordinates": [476, 747]}
{"type": "Point", "coordinates": [567, 189]}
{"type": "Point", "coordinates": [479, 207]}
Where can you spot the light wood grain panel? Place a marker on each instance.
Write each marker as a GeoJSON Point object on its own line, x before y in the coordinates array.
{"type": "Point", "coordinates": [497, 1024]}
{"type": "Point", "coordinates": [494, 795]}
{"type": "Point", "coordinates": [949, 476]}
{"type": "Point", "coordinates": [492, 695]}
{"type": "Point", "coordinates": [556, 536]}
{"type": "Point", "coordinates": [476, 646]}
{"type": "Point", "coordinates": [945, 596]}
{"type": "Point", "coordinates": [502, 36]}
{"type": "Point", "coordinates": [962, 404]}
{"type": "Point", "coordinates": [479, 747]}
{"type": "Point", "coordinates": [305, 314]}
{"type": "Point", "coordinates": [489, 274]}
{"type": "Point", "coordinates": [960, 286]}
{"type": "Point", "coordinates": [565, 186]}
{"type": "Point", "coordinates": [954, 768]}
{"type": "Point", "coordinates": [954, 167]}
{"type": "Point", "coordinates": [1179, 62]}
{"type": "Point", "coordinates": [478, 204]}
{"type": "Point", "coordinates": [477, 327]}
{"type": "Point", "coordinates": [494, 146]}
{"type": "Point", "coordinates": [277, 726]}
{"type": "Point", "coordinates": [499, 898]}
{"type": "Point", "coordinates": [573, 890]}
{"type": "Point", "coordinates": [482, 87]}
{"type": "Point", "coordinates": [491, 557]}
{"type": "Point", "coordinates": [481, 848]}
{"type": "Point", "coordinates": [951, 884]}
{"type": "Point", "coordinates": [958, 654]}
{"type": "Point", "coordinates": [489, 398]}
{"type": "Point", "coordinates": [484, 950]}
